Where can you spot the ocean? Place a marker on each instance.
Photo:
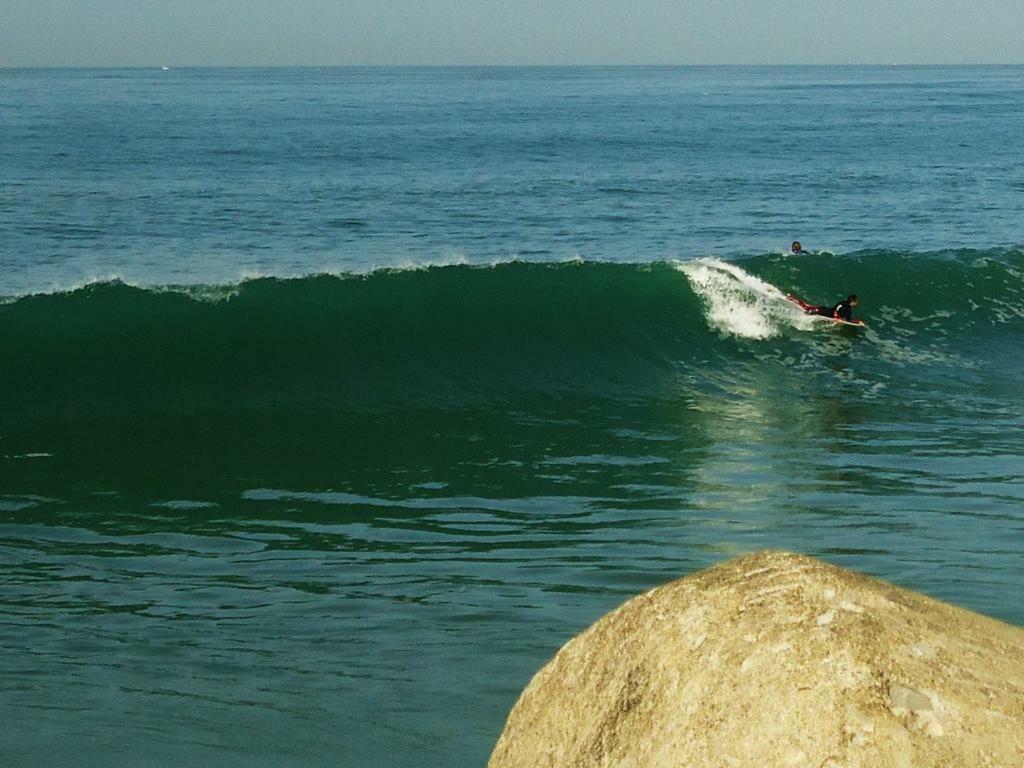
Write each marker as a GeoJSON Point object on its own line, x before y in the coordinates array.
{"type": "Point", "coordinates": [334, 401]}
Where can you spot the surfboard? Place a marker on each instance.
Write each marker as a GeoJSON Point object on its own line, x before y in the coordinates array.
{"type": "Point", "coordinates": [807, 307]}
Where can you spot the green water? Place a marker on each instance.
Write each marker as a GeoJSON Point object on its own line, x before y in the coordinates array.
{"type": "Point", "coordinates": [343, 521]}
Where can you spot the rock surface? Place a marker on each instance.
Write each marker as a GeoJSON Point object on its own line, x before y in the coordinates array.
{"type": "Point", "coordinates": [777, 660]}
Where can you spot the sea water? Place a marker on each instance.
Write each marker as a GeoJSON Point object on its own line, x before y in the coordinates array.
{"type": "Point", "coordinates": [333, 401]}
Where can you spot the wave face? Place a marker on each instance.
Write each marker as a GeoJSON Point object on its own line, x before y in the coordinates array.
{"type": "Point", "coordinates": [438, 336]}
{"type": "Point", "coordinates": [453, 335]}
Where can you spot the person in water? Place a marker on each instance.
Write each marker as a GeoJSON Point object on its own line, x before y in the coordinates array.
{"type": "Point", "coordinates": [841, 311]}
{"type": "Point", "coordinates": [796, 249]}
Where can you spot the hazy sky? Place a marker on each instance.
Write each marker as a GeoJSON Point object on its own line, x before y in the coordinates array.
{"type": "Point", "coordinates": [324, 32]}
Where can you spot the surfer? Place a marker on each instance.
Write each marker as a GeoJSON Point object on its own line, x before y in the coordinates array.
{"type": "Point", "coordinates": [798, 250]}
{"type": "Point", "coordinates": [841, 311]}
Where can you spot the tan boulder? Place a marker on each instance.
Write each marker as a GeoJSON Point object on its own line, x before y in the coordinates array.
{"type": "Point", "coordinates": [776, 660]}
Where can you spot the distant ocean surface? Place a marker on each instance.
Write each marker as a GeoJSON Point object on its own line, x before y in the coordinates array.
{"type": "Point", "coordinates": [334, 401]}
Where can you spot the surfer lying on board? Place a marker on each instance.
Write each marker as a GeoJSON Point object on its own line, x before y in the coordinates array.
{"type": "Point", "coordinates": [841, 311]}
{"type": "Point", "coordinates": [797, 250]}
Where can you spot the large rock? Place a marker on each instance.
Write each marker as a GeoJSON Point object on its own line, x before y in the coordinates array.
{"type": "Point", "coordinates": [777, 660]}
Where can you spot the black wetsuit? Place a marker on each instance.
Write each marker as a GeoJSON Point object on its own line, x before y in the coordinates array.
{"type": "Point", "coordinates": [842, 310]}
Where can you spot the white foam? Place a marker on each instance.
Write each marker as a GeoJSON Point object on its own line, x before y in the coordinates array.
{"type": "Point", "coordinates": [737, 303]}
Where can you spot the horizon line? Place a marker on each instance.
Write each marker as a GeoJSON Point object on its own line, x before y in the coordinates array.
{"type": "Point", "coordinates": [890, 65]}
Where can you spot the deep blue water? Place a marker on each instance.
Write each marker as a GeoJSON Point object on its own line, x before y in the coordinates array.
{"type": "Point", "coordinates": [334, 401]}
{"type": "Point", "coordinates": [207, 175]}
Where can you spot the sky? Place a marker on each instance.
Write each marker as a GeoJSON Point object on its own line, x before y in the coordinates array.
{"type": "Point", "coordinates": [133, 33]}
